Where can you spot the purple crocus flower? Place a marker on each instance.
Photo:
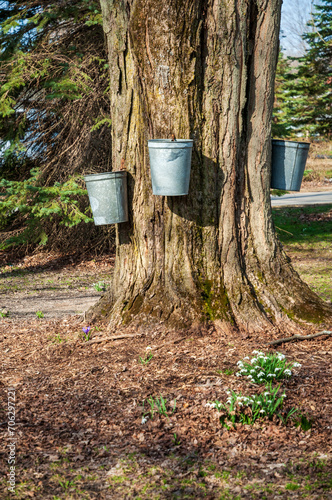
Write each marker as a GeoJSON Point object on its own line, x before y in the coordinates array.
{"type": "Point", "coordinates": [86, 329]}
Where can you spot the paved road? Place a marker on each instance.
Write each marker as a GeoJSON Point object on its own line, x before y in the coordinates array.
{"type": "Point", "coordinates": [321, 198]}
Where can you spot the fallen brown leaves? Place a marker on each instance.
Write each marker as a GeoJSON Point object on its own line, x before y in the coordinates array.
{"type": "Point", "coordinates": [83, 403]}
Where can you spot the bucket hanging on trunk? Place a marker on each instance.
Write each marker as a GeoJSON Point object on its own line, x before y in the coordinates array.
{"type": "Point", "coordinates": [170, 162]}
{"type": "Point", "coordinates": [288, 164]}
{"type": "Point", "coordinates": [108, 197]}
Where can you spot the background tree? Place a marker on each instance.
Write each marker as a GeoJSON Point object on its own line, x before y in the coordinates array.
{"type": "Point", "coordinates": [305, 88]}
{"type": "Point", "coordinates": [54, 115]}
{"type": "Point", "coordinates": [203, 70]}
{"type": "Point", "coordinates": [281, 123]}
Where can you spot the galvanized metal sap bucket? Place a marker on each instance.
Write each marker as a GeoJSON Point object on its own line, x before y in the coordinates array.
{"type": "Point", "coordinates": [170, 162]}
{"type": "Point", "coordinates": [108, 197]}
{"type": "Point", "coordinates": [288, 164]}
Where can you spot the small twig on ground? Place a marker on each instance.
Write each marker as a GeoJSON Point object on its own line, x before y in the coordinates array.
{"type": "Point", "coordinates": [299, 337]}
{"type": "Point", "coordinates": [115, 337]}
{"type": "Point", "coordinates": [284, 230]}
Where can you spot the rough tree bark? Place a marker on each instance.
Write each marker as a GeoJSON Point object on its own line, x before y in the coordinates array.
{"type": "Point", "coordinates": [201, 69]}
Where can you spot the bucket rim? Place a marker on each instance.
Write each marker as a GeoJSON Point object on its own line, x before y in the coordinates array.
{"type": "Point", "coordinates": [290, 144]}
{"type": "Point", "coordinates": [105, 175]}
{"type": "Point", "coordinates": [170, 144]}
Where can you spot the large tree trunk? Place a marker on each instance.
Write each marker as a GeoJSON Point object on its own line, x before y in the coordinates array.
{"type": "Point", "coordinates": [200, 69]}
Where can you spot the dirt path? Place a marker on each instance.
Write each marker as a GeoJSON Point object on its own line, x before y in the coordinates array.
{"type": "Point", "coordinates": [52, 285]}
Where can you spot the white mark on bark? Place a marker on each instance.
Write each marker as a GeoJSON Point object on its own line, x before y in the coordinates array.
{"type": "Point", "coordinates": [163, 73]}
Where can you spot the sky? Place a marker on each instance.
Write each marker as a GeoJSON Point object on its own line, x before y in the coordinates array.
{"type": "Point", "coordinates": [294, 16]}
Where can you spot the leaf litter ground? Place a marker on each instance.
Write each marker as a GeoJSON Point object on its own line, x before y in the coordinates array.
{"type": "Point", "coordinates": [79, 414]}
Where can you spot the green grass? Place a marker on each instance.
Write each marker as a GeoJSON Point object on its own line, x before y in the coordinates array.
{"type": "Point", "coordinates": [278, 192]}
{"type": "Point", "coordinates": [151, 483]}
{"type": "Point", "coordinates": [301, 231]}
{"type": "Point", "coordinates": [226, 372]}
{"type": "Point", "coordinates": [308, 243]}
{"type": "Point", "coordinates": [139, 476]}
{"type": "Point", "coordinates": [292, 486]}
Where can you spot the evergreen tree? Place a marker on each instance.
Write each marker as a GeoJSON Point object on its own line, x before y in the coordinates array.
{"type": "Point", "coordinates": [54, 113]}
{"type": "Point", "coordinates": [53, 83]}
{"type": "Point", "coordinates": [308, 89]}
{"type": "Point", "coordinates": [281, 120]}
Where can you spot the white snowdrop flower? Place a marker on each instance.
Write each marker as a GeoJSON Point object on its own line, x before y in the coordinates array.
{"type": "Point", "coordinates": [247, 357]}
{"type": "Point", "coordinates": [266, 393]}
{"type": "Point", "coordinates": [254, 360]}
{"type": "Point", "coordinates": [240, 404]}
{"type": "Point", "coordinates": [148, 348]}
{"type": "Point", "coordinates": [239, 363]}
{"type": "Point", "coordinates": [287, 372]}
{"type": "Point", "coordinates": [255, 352]}
{"type": "Point", "coordinates": [228, 401]}
{"type": "Point", "coordinates": [297, 365]}
{"type": "Point", "coordinates": [270, 374]}
{"type": "Point", "coordinates": [210, 405]}
{"type": "Point", "coordinates": [269, 401]}
{"type": "Point", "coordinates": [252, 371]}
{"type": "Point", "coordinates": [144, 420]}
{"type": "Point", "coordinates": [280, 356]}
{"type": "Point", "coordinates": [259, 402]}
{"type": "Point", "coordinates": [228, 392]}
{"type": "Point", "coordinates": [261, 374]}
{"type": "Point", "coordinates": [261, 411]}
{"type": "Point", "coordinates": [278, 368]}
{"type": "Point", "coordinates": [238, 374]}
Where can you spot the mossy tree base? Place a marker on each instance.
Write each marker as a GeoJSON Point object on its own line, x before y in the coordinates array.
{"type": "Point", "coordinates": [204, 71]}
